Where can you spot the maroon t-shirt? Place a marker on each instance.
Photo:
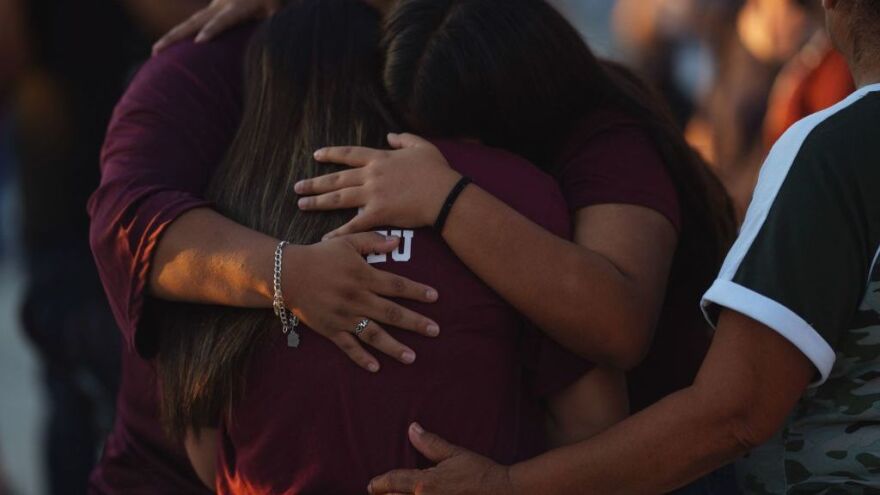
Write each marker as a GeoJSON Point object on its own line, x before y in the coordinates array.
{"type": "Point", "coordinates": [167, 135]}
{"type": "Point", "coordinates": [312, 422]}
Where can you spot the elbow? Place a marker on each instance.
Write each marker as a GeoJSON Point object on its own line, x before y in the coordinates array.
{"type": "Point", "coordinates": [629, 343]}
{"type": "Point", "coordinates": [743, 424]}
{"type": "Point", "coordinates": [629, 354]}
{"type": "Point", "coordinates": [746, 431]}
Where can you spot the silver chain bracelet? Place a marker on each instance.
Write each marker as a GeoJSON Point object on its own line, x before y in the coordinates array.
{"type": "Point", "coordinates": [289, 321]}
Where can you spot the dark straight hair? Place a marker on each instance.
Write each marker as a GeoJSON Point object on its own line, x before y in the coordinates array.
{"type": "Point", "coordinates": [311, 80]}
{"type": "Point", "coordinates": [517, 75]}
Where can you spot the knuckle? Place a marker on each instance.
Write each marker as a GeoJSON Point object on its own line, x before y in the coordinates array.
{"type": "Point", "coordinates": [393, 314]}
{"type": "Point", "coordinates": [336, 198]}
{"type": "Point", "coordinates": [398, 285]}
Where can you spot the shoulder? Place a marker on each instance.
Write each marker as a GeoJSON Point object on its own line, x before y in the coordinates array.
{"type": "Point", "coordinates": [212, 69]}
{"type": "Point", "coordinates": [603, 131]}
{"type": "Point", "coordinates": [844, 136]}
{"type": "Point", "coordinates": [610, 157]}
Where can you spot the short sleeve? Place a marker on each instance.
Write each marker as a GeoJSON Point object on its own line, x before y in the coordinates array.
{"type": "Point", "coordinates": [167, 134]}
{"type": "Point", "coordinates": [800, 264]}
{"type": "Point", "coordinates": [610, 160]}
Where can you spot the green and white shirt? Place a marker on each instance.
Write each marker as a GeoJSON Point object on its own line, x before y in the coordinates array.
{"type": "Point", "coordinates": [806, 265]}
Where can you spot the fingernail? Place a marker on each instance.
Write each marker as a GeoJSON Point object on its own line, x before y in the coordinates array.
{"type": "Point", "coordinates": [326, 238]}
{"type": "Point", "coordinates": [391, 238]}
{"type": "Point", "coordinates": [373, 367]}
{"type": "Point", "coordinates": [408, 357]}
{"type": "Point", "coordinates": [303, 203]}
{"type": "Point", "coordinates": [298, 187]}
{"type": "Point", "coordinates": [431, 295]}
{"type": "Point", "coordinates": [417, 428]}
{"type": "Point", "coordinates": [433, 330]}
{"type": "Point", "coordinates": [318, 153]}
{"type": "Point", "coordinates": [200, 37]}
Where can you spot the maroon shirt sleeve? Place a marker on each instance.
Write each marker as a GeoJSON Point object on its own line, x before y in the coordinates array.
{"type": "Point", "coordinates": [610, 160]}
{"type": "Point", "coordinates": [167, 134]}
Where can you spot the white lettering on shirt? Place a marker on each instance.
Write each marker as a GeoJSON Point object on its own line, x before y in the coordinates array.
{"type": "Point", "coordinates": [402, 254]}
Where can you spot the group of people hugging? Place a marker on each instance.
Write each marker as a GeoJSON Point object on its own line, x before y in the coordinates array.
{"type": "Point", "coordinates": [428, 247]}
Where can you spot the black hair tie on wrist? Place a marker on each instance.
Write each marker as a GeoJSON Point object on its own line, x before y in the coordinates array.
{"type": "Point", "coordinates": [450, 200]}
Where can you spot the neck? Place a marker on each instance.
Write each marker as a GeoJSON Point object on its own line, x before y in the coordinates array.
{"type": "Point", "coordinates": [865, 76]}
{"type": "Point", "coordinates": [865, 66]}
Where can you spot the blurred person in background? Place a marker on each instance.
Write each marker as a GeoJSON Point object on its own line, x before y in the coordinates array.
{"type": "Point", "coordinates": [813, 80]}
{"type": "Point", "coordinates": [62, 92]}
{"type": "Point", "coordinates": [736, 117]}
{"type": "Point", "coordinates": [670, 43]}
{"type": "Point", "coordinates": [736, 86]}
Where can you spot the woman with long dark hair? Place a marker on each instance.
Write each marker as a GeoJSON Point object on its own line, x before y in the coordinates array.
{"type": "Point", "coordinates": [304, 419]}
{"type": "Point", "coordinates": [651, 222]}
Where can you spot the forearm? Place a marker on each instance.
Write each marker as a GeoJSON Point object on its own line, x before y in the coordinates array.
{"type": "Point", "coordinates": [204, 257]}
{"type": "Point", "coordinates": [674, 442]}
{"type": "Point", "coordinates": [573, 294]}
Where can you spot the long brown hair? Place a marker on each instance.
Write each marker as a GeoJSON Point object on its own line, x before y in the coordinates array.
{"type": "Point", "coordinates": [517, 75]}
{"type": "Point", "coordinates": [311, 80]}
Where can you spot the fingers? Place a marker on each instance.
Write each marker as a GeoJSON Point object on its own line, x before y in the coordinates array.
{"type": "Point", "coordinates": [353, 349]}
{"type": "Point", "coordinates": [353, 156]}
{"type": "Point", "coordinates": [185, 29]}
{"type": "Point", "coordinates": [378, 338]}
{"type": "Point", "coordinates": [430, 445]}
{"type": "Point", "coordinates": [396, 315]}
{"type": "Point", "coordinates": [405, 140]}
{"type": "Point", "coordinates": [390, 285]}
{"type": "Point", "coordinates": [227, 17]}
{"type": "Point", "coordinates": [330, 182]}
{"type": "Point", "coordinates": [351, 197]}
{"type": "Point", "coordinates": [372, 243]}
{"type": "Point", "coordinates": [400, 481]}
{"type": "Point", "coordinates": [362, 222]}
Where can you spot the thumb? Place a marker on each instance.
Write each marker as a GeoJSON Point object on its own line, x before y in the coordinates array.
{"type": "Point", "coordinates": [373, 243]}
{"type": "Point", "coordinates": [430, 445]}
{"type": "Point", "coordinates": [406, 140]}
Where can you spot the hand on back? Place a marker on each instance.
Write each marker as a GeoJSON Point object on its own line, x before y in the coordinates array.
{"type": "Point", "coordinates": [221, 15]}
{"type": "Point", "coordinates": [217, 17]}
{"type": "Point", "coordinates": [405, 187]}
{"type": "Point", "coordinates": [331, 288]}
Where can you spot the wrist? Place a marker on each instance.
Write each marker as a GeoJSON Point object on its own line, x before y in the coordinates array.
{"type": "Point", "coordinates": [444, 185]}
{"type": "Point", "coordinates": [291, 273]}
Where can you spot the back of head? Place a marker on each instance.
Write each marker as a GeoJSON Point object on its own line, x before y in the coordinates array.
{"type": "Point", "coordinates": [517, 75]}
{"type": "Point", "coordinates": [854, 26]}
{"type": "Point", "coordinates": [311, 80]}
{"type": "Point", "coordinates": [461, 67]}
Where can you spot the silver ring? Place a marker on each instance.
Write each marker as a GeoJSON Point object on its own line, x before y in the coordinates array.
{"type": "Point", "coordinates": [361, 326]}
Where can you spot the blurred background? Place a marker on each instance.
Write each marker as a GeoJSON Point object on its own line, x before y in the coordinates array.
{"type": "Point", "coordinates": [736, 74]}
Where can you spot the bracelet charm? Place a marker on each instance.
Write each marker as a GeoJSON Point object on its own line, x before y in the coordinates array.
{"type": "Point", "coordinates": [289, 321]}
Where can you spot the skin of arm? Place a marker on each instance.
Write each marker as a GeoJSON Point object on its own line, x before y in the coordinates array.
{"type": "Point", "coordinates": [594, 403]}
{"type": "Point", "coordinates": [750, 382]}
{"type": "Point", "coordinates": [201, 449]}
{"type": "Point", "coordinates": [574, 291]}
{"type": "Point", "coordinates": [577, 291]}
